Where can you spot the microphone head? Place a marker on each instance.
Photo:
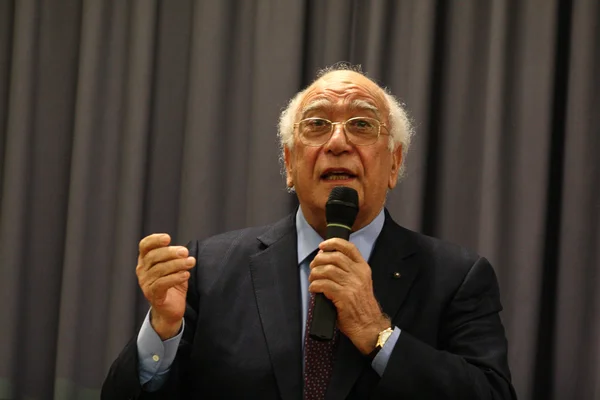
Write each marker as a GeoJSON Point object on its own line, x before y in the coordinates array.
{"type": "Point", "coordinates": [342, 206]}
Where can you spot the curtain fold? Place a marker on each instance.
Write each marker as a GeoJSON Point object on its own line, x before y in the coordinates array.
{"type": "Point", "coordinates": [577, 350]}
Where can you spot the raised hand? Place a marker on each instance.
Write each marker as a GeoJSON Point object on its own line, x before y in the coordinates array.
{"type": "Point", "coordinates": [163, 273]}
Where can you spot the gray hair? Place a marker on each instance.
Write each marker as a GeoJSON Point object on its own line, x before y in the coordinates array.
{"type": "Point", "coordinates": [401, 129]}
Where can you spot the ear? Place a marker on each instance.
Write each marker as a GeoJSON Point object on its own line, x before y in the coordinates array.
{"type": "Point", "coordinates": [396, 164]}
{"type": "Point", "coordinates": [287, 158]}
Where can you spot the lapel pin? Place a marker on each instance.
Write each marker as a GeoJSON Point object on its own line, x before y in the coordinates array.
{"type": "Point", "coordinates": [396, 275]}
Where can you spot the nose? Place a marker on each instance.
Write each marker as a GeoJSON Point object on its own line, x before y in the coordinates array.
{"type": "Point", "coordinates": [338, 142]}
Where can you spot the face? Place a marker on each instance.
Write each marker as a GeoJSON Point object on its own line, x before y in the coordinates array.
{"type": "Point", "coordinates": [315, 170]}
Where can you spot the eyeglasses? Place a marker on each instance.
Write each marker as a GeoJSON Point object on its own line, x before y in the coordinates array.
{"type": "Point", "coordinates": [361, 131]}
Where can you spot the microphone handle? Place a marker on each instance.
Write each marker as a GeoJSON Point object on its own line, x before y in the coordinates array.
{"type": "Point", "coordinates": [324, 312]}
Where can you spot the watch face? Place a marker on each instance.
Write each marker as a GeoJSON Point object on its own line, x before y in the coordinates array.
{"type": "Point", "coordinates": [384, 336]}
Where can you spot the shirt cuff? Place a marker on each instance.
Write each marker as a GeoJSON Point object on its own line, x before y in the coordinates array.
{"type": "Point", "coordinates": [155, 355]}
{"type": "Point", "coordinates": [380, 361]}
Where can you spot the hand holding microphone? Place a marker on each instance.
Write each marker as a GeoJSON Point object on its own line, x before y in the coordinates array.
{"type": "Point", "coordinates": [341, 211]}
{"type": "Point", "coordinates": [342, 279]}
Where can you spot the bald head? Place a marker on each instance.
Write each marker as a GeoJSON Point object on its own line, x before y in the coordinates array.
{"type": "Point", "coordinates": [348, 77]}
{"type": "Point", "coordinates": [359, 94]}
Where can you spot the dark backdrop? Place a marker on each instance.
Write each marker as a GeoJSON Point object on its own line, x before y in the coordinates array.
{"type": "Point", "coordinates": [120, 118]}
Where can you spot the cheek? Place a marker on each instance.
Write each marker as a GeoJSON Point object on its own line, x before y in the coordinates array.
{"type": "Point", "coordinates": [310, 157]}
{"type": "Point", "coordinates": [373, 163]}
{"type": "Point", "coordinates": [377, 167]}
{"type": "Point", "coordinates": [305, 160]}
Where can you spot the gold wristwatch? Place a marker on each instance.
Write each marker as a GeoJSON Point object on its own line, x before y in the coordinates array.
{"type": "Point", "coordinates": [383, 336]}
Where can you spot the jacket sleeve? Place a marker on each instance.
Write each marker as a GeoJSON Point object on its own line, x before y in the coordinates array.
{"type": "Point", "coordinates": [471, 361]}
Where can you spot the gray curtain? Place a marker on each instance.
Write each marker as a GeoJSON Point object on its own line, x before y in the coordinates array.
{"type": "Point", "coordinates": [120, 118]}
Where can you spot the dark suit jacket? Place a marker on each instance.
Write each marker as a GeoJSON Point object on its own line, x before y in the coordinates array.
{"type": "Point", "coordinates": [242, 336]}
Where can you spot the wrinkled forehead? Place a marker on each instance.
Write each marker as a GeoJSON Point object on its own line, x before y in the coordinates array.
{"type": "Point", "coordinates": [344, 90]}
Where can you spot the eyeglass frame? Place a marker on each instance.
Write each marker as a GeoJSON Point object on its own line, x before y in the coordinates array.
{"type": "Point", "coordinates": [333, 124]}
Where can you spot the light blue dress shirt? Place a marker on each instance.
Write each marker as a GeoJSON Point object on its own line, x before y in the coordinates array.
{"type": "Point", "coordinates": [156, 356]}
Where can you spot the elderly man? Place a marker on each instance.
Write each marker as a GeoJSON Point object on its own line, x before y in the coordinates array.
{"type": "Point", "coordinates": [417, 318]}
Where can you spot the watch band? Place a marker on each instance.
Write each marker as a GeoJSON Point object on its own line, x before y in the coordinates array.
{"type": "Point", "coordinates": [382, 338]}
{"type": "Point", "coordinates": [374, 353]}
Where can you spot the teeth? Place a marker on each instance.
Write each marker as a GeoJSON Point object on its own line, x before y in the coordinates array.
{"type": "Point", "coordinates": [337, 177]}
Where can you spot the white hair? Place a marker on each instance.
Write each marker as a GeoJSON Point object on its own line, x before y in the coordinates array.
{"type": "Point", "coordinates": [400, 126]}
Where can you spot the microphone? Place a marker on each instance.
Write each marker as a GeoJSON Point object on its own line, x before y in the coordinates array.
{"type": "Point", "coordinates": [341, 210]}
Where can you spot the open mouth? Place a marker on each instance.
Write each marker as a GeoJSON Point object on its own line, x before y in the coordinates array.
{"type": "Point", "coordinates": [337, 175]}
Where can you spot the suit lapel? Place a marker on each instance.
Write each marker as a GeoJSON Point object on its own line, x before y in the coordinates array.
{"type": "Point", "coordinates": [394, 267]}
{"type": "Point", "coordinates": [393, 274]}
{"type": "Point", "coordinates": [275, 278]}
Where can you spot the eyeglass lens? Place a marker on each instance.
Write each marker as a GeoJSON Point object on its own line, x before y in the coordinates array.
{"type": "Point", "coordinates": [360, 131]}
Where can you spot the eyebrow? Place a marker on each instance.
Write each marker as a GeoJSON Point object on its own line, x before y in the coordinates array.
{"type": "Point", "coordinates": [324, 103]}
{"type": "Point", "coordinates": [365, 105]}
{"type": "Point", "coordinates": [316, 105]}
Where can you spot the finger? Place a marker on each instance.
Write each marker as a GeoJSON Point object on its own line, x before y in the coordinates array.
{"type": "Point", "coordinates": [330, 289]}
{"type": "Point", "coordinates": [329, 271]}
{"type": "Point", "coordinates": [332, 257]}
{"type": "Point", "coordinates": [343, 246]}
{"type": "Point", "coordinates": [158, 289]}
{"type": "Point", "coordinates": [170, 267]}
{"type": "Point", "coordinates": [164, 254]}
{"type": "Point", "coordinates": [153, 241]}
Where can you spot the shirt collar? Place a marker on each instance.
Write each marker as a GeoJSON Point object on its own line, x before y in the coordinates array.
{"type": "Point", "coordinates": [363, 239]}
